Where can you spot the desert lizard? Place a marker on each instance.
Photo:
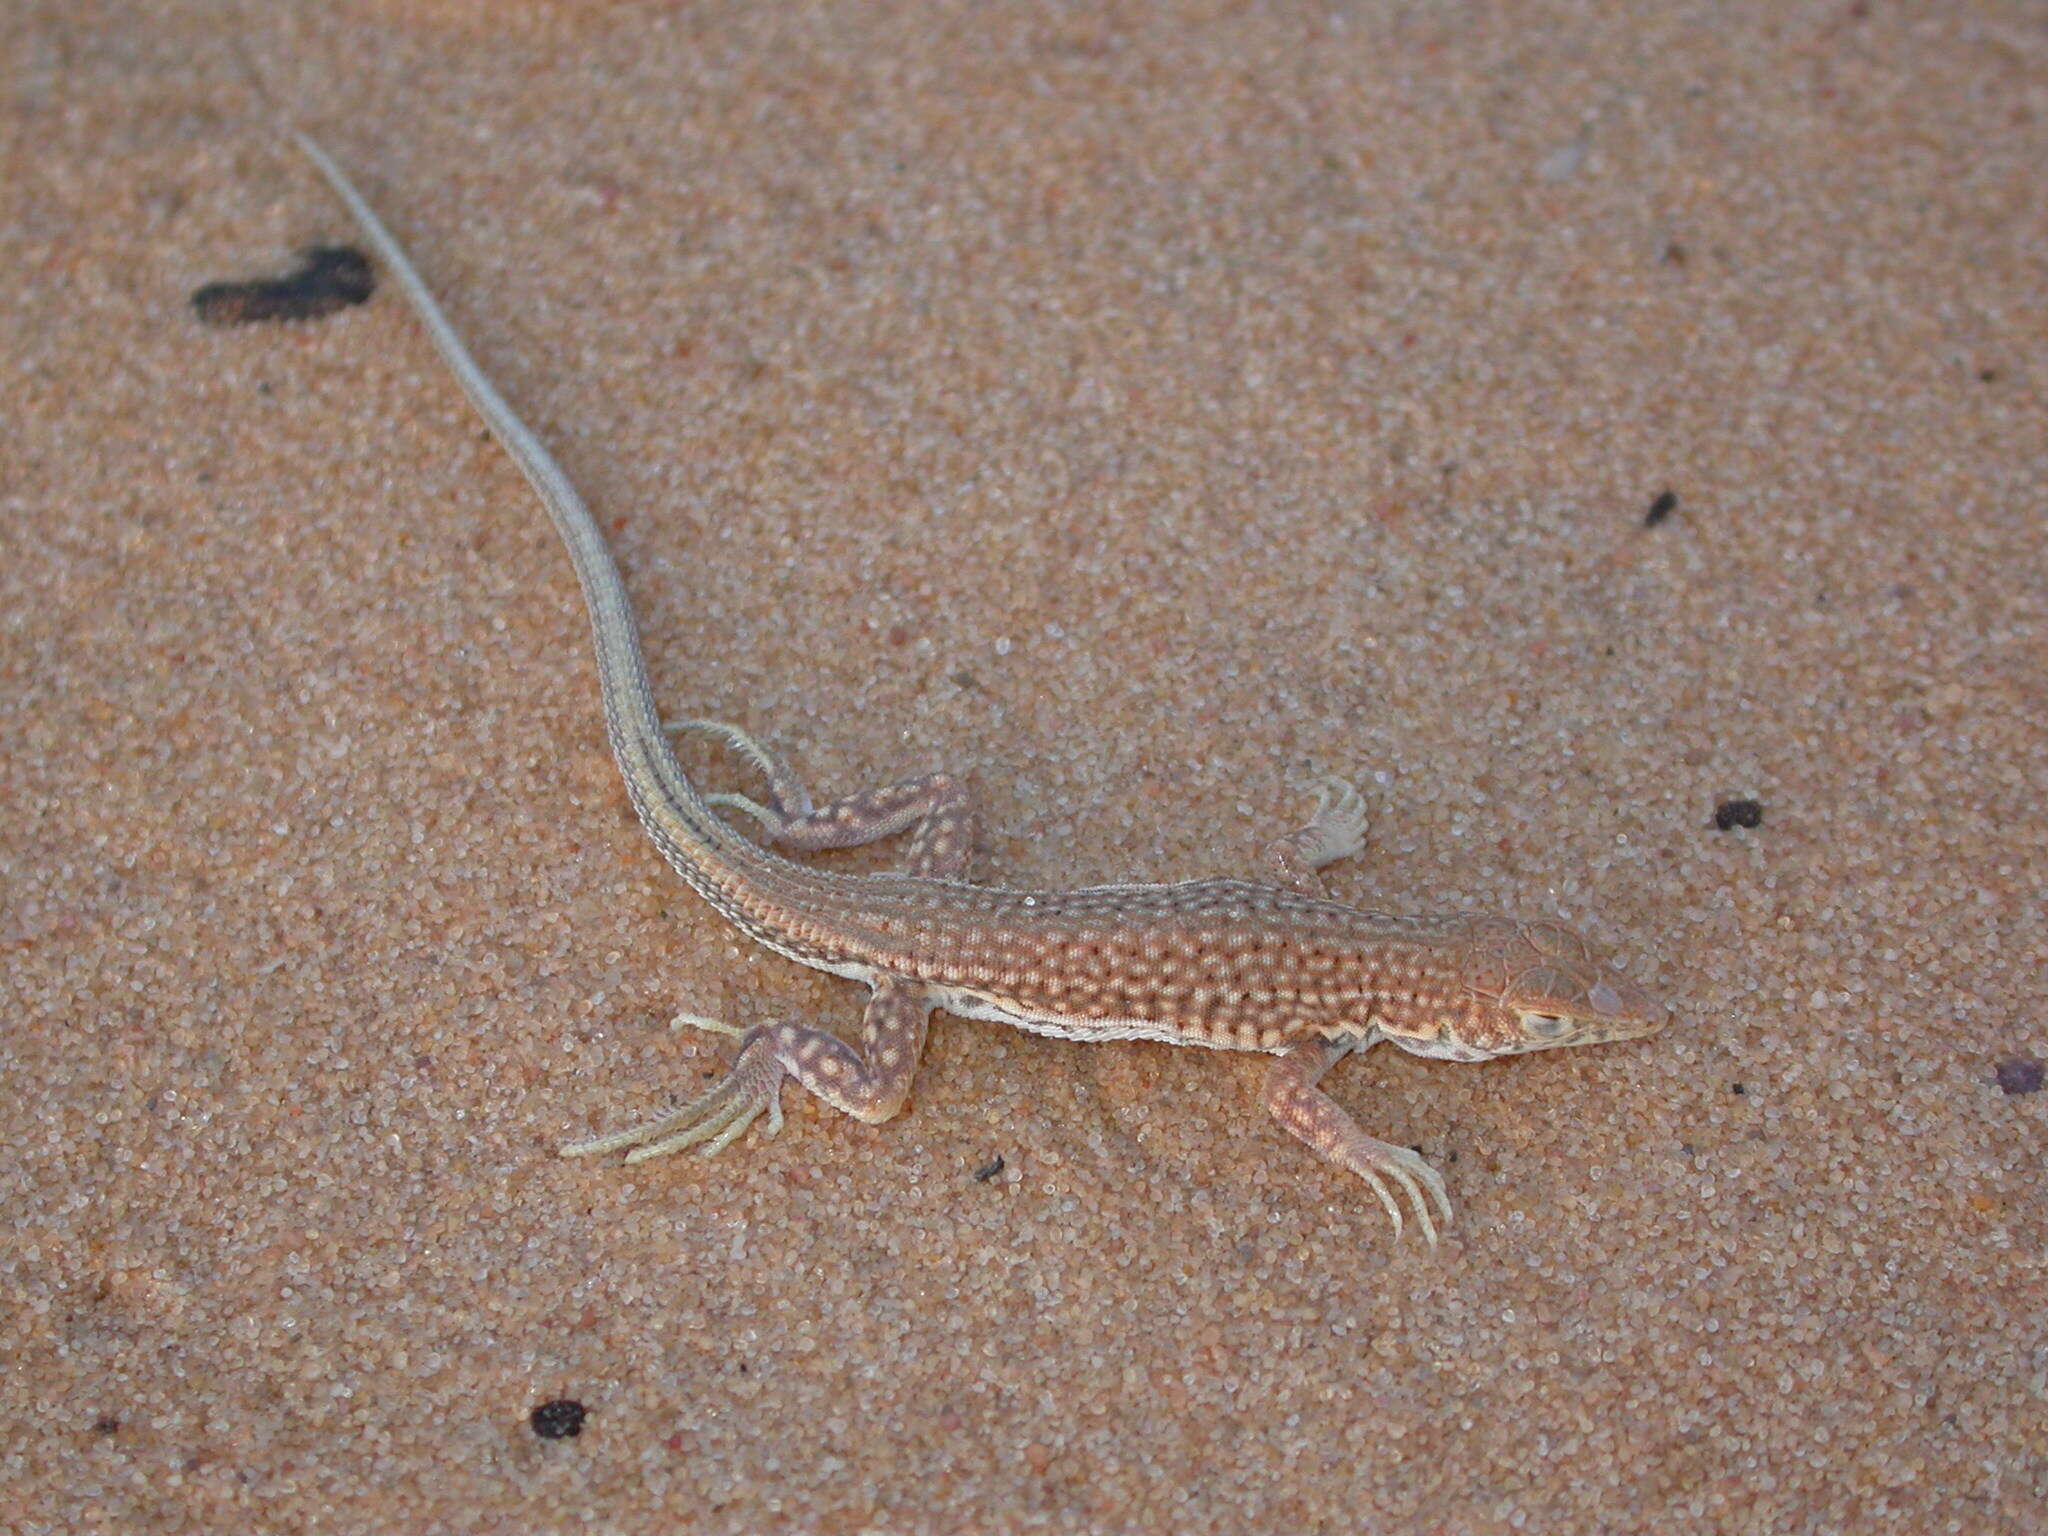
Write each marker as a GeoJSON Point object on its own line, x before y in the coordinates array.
{"type": "Point", "coordinates": [1277, 967]}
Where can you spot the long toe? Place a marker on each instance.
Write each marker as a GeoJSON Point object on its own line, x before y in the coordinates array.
{"type": "Point", "coordinates": [720, 1116]}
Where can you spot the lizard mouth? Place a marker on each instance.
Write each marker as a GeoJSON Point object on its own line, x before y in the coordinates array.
{"type": "Point", "coordinates": [1623, 1010]}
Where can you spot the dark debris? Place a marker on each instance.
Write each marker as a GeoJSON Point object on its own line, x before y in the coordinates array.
{"type": "Point", "coordinates": [561, 1419]}
{"type": "Point", "coordinates": [1738, 813]}
{"type": "Point", "coordinates": [330, 277]}
{"type": "Point", "coordinates": [2020, 1074]}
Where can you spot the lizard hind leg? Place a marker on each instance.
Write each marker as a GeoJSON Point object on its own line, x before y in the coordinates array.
{"type": "Point", "coordinates": [937, 805]}
{"type": "Point", "coordinates": [873, 1083]}
{"type": "Point", "coordinates": [870, 1084]}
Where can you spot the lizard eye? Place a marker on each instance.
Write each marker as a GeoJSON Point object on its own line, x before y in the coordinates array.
{"type": "Point", "coordinates": [1545, 1026]}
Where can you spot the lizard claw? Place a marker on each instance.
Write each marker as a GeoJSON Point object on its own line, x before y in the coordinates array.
{"type": "Point", "coordinates": [1376, 1162]}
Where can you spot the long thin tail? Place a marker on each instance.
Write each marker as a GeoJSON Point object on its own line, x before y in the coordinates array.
{"type": "Point", "coordinates": [708, 853]}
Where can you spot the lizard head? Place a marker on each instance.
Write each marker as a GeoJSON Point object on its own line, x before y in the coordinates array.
{"type": "Point", "coordinates": [1532, 986]}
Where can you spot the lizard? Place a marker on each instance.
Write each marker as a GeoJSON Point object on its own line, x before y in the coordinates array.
{"type": "Point", "coordinates": [1275, 966]}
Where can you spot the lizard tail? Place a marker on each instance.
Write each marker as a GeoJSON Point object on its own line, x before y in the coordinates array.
{"type": "Point", "coordinates": [708, 853]}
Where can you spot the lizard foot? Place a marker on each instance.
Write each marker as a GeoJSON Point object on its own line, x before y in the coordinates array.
{"type": "Point", "coordinates": [1337, 829]}
{"type": "Point", "coordinates": [788, 799]}
{"type": "Point", "coordinates": [751, 1085]}
{"type": "Point", "coordinates": [1376, 1161]}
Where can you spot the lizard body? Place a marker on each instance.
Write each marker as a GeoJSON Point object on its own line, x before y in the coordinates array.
{"type": "Point", "coordinates": [1232, 964]}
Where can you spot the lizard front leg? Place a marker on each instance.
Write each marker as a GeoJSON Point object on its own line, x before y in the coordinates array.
{"type": "Point", "coordinates": [1293, 1099]}
{"type": "Point", "coordinates": [1336, 831]}
{"type": "Point", "coordinates": [871, 1084]}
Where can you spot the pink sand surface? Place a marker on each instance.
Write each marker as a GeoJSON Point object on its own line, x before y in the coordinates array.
{"type": "Point", "coordinates": [1139, 410]}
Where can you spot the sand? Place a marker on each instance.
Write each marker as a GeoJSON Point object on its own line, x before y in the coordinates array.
{"type": "Point", "coordinates": [1139, 411]}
